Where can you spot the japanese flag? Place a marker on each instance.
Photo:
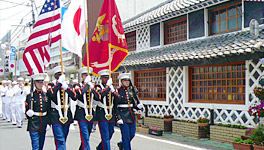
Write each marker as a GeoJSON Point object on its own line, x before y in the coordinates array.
{"type": "Point", "coordinates": [73, 27]}
{"type": "Point", "coordinates": [1, 70]}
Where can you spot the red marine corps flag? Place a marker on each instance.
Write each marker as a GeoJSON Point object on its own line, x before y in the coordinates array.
{"type": "Point", "coordinates": [45, 32]}
{"type": "Point", "coordinates": [108, 37]}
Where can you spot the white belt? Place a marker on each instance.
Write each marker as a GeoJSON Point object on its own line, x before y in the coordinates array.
{"type": "Point", "coordinates": [125, 105]}
{"type": "Point", "coordinates": [53, 105]}
{"type": "Point", "coordinates": [40, 113]}
{"type": "Point", "coordinates": [81, 104]}
{"type": "Point", "coordinates": [103, 106]}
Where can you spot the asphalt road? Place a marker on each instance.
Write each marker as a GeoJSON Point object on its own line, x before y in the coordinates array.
{"type": "Point", "coordinates": [13, 138]}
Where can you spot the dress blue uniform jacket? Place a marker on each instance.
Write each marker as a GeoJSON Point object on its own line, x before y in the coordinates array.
{"type": "Point", "coordinates": [52, 95]}
{"type": "Point", "coordinates": [125, 96]}
{"type": "Point", "coordinates": [41, 103]}
{"type": "Point", "coordinates": [80, 113]}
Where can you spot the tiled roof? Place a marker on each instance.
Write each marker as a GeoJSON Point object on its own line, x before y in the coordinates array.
{"type": "Point", "coordinates": [219, 46]}
{"type": "Point", "coordinates": [167, 10]}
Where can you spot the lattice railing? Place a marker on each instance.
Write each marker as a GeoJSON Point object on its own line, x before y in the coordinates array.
{"type": "Point", "coordinates": [143, 38]}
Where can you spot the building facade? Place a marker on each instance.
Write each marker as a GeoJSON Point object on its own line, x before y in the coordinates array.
{"type": "Point", "coordinates": [197, 59]}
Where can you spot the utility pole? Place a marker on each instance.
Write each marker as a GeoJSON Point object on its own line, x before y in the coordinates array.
{"type": "Point", "coordinates": [32, 23]}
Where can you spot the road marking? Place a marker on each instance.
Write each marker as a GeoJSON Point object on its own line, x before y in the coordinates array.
{"type": "Point", "coordinates": [165, 141]}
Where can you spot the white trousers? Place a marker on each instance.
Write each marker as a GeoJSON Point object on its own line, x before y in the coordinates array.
{"type": "Point", "coordinates": [1, 100]}
{"type": "Point", "coordinates": [3, 110]}
{"type": "Point", "coordinates": [7, 111]}
{"type": "Point", "coordinates": [19, 113]}
{"type": "Point", "coordinates": [13, 112]}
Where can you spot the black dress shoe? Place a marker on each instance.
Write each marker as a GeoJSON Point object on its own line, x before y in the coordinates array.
{"type": "Point", "coordinates": [120, 146]}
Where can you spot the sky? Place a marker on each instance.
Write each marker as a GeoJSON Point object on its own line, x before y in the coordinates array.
{"type": "Point", "coordinates": [18, 12]}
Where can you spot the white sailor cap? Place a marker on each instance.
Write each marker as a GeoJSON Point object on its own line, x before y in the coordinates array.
{"type": "Point", "coordinates": [8, 81]}
{"type": "Point", "coordinates": [124, 76]}
{"type": "Point", "coordinates": [4, 81]}
{"type": "Point", "coordinates": [26, 80]}
{"type": "Point", "coordinates": [74, 81]}
{"type": "Point", "coordinates": [104, 72]}
{"type": "Point", "coordinates": [20, 79]}
{"type": "Point", "coordinates": [84, 70]}
{"type": "Point", "coordinates": [39, 77]}
{"type": "Point", "coordinates": [14, 82]}
{"type": "Point", "coordinates": [58, 69]}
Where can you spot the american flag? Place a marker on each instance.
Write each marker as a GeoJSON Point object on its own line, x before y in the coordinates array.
{"type": "Point", "coordinates": [45, 32]}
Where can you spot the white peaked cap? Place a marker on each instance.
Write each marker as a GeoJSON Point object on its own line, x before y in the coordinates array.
{"type": "Point", "coordinates": [40, 76]}
{"type": "Point", "coordinates": [20, 79]}
{"type": "Point", "coordinates": [46, 78]}
{"type": "Point", "coordinates": [14, 82]}
{"type": "Point", "coordinates": [4, 81]}
{"type": "Point", "coordinates": [75, 81]}
{"type": "Point", "coordinates": [104, 72]}
{"type": "Point", "coordinates": [26, 80]}
{"type": "Point", "coordinates": [124, 76]}
{"type": "Point", "coordinates": [58, 69]}
{"type": "Point", "coordinates": [84, 70]}
{"type": "Point", "coordinates": [8, 81]}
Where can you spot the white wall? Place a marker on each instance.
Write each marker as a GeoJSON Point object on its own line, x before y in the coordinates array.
{"type": "Point", "coordinates": [129, 8]}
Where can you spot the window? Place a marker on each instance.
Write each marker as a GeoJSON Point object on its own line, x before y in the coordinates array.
{"type": "Point", "coordinates": [217, 83]}
{"type": "Point", "coordinates": [226, 19]}
{"type": "Point", "coordinates": [131, 41]}
{"type": "Point", "coordinates": [115, 79]}
{"type": "Point", "coordinates": [151, 84]}
{"type": "Point", "coordinates": [176, 31]}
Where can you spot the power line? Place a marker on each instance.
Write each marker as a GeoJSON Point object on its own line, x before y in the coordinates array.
{"type": "Point", "coordinates": [13, 2]}
{"type": "Point", "coordinates": [11, 6]}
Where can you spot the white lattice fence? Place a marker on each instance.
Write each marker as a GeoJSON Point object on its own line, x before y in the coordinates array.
{"type": "Point", "coordinates": [143, 38]}
{"type": "Point", "coordinates": [226, 116]}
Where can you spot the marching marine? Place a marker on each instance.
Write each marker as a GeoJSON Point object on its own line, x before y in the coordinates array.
{"type": "Point", "coordinates": [60, 115]}
{"type": "Point", "coordinates": [37, 110]}
{"type": "Point", "coordinates": [104, 110]}
{"type": "Point", "coordinates": [84, 113]}
{"type": "Point", "coordinates": [125, 102]}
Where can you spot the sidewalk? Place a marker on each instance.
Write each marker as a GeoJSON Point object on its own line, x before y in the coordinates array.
{"type": "Point", "coordinates": [202, 143]}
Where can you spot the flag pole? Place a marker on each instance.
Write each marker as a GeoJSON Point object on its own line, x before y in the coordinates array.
{"type": "Point", "coordinates": [87, 48]}
{"type": "Point", "coordinates": [109, 50]}
{"type": "Point", "coordinates": [63, 94]}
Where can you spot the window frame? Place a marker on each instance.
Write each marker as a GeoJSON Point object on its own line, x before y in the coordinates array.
{"type": "Point", "coordinates": [114, 76]}
{"type": "Point", "coordinates": [166, 37]}
{"type": "Point", "coordinates": [243, 101]}
{"type": "Point", "coordinates": [226, 19]}
{"type": "Point", "coordinates": [131, 35]}
{"type": "Point", "coordinates": [164, 99]}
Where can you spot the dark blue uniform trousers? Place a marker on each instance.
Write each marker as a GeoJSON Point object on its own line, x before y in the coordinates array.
{"type": "Point", "coordinates": [37, 140]}
{"type": "Point", "coordinates": [128, 131]}
{"type": "Point", "coordinates": [60, 133]}
{"type": "Point", "coordinates": [85, 131]}
{"type": "Point", "coordinates": [106, 131]}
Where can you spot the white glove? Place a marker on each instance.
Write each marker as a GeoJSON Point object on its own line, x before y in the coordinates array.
{"type": "Point", "coordinates": [87, 79]}
{"type": "Point", "coordinates": [140, 106]}
{"type": "Point", "coordinates": [120, 121]}
{"type": "Point", "coordinates": [61, 78]}
{"type": "Point", "coordinates": [109, 82]}
{"type": "Point", "coordinates": [112, 88]}
{"type": "Point", "coordinates": [90, 85]}
{"type": "Point", "coordinates": [64, 85]}
{"type": "Point", "coordinates": [30, 112]}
